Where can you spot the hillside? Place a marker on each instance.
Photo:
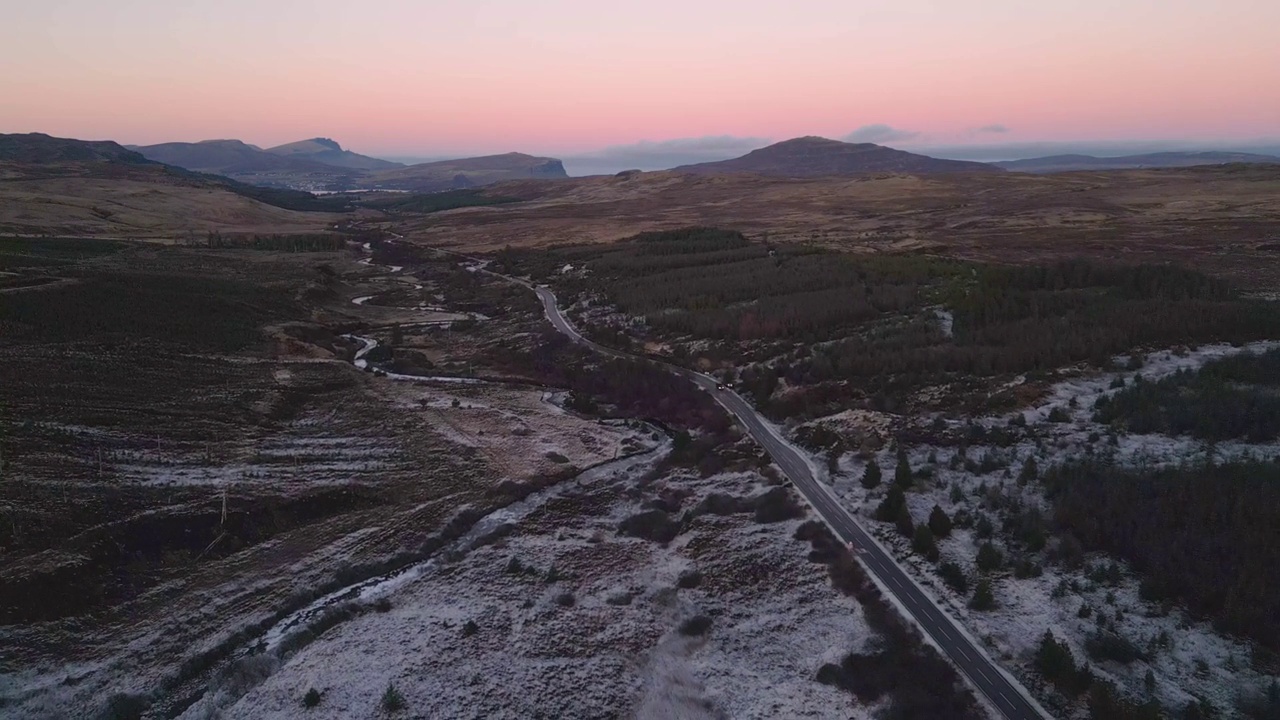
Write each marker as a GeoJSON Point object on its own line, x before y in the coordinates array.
{"type": "Point", "coordinates": [820, 157]}
{"type": "Point", "coordinates": [62, 185]}
{"type": "Point", "coordinates": [328, 152]}
{"type": "Point", "coordinates": [1142, 215]}
{"type": "Point", "coordinates": [322, 164]}
{"type": "Point", "coordinates": [1067, 163]}
{"type": "Point", "coordinates": [468, 172]}
{"type": "Point", "coordinates": [251, 164]}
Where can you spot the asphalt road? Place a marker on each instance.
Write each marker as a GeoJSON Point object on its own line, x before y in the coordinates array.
{"type": "Point", "coordinates": [1001, 691]}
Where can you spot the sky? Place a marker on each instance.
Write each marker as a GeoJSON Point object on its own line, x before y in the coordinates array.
{"type": "Point", "coordinates": [647, 82]}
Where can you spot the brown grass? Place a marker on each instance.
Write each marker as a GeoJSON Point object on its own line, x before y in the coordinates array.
{"type": "Point", "coordinates": [132, 208]}
{"type": "Point", "coordinates": [1221, 218]}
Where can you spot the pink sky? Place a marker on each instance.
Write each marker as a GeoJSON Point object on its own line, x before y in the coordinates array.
{"type": "Point", "coordinates": [406, 77]}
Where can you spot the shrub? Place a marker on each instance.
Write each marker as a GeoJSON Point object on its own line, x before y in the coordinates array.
{"type": "Point", "coordinates": [696, 625]}
{"type": "Point", "coordinates": [689, 579]}
{"type": "Point", "coordinates": [653, 525]}
{"type": "Point", "coordinates": [989, 558]}
{"type": "Point", "coordinates": [470, 628]}
{"type": "Point", "coordinates": [556, 457]}
{"type": "Point", "coordinates": [311, 699]}
{"type": "Point", "coordinates": [954, 577]}
{"type": "Point", "coordinates": [124, 706]}
{"type": "Point", "coordinates": [392, 700]}
{"type": "Point", "coordinates": [565, 599]}
{"type": "Point", "coordinates": [1109, 646]}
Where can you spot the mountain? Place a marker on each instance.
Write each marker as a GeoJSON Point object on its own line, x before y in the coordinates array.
{"type": "Point", "coordinates": [78, 187]}
{"type": "Point", "coordinates": [467, 172]}
{"type": "Point", "coordinates": [328, 152]}
{"type": "Point", "coordinates": [1066, 163]}
{"type": "Point", "coordinates": [41, 149]}
{"type": "Point", "coordinates": [322, 164]}
{"type": "Point", "coordinates": [221, 156]}
{"type": "Point", "coordinates": [817, 157]}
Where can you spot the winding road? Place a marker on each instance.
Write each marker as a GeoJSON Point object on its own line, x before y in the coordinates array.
{"type": "Point", "coordinates": [1002, 692]}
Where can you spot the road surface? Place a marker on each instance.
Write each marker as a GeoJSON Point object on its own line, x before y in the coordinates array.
{"type": "Point", "coordinates": [1001, 691]}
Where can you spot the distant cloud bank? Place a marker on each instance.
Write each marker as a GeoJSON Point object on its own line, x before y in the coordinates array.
{"type": "Point", "coordinates": [879, 133]}
{"type": "Point", "coordinates": [993, 128]}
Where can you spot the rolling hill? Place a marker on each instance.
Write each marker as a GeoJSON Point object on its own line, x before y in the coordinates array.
{"type": "Point", "coordinates": [468, 172]}
{"type": "Point", "coordinates": [322, 164]}
{"type": "Point", "coordinates": [328, 152]}
{"type": "Point", "coordinates": [820, 157]}
{"type": "Point", "coordinates": [1067, 163]}
{"type": "Point", "coordinates": [77, 187]}
{"type": "Point", "coordinates": [251, 164]}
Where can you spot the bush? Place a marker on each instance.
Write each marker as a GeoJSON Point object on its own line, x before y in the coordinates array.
{"type": "Point", "coordinates": [470, 628]}
{"type": "Point", "coordinates": [124, 706]}
{"type": "Point", "coordinates": [392, 700]}
{"type": "Point", "coordinates": [1109, 646]}
{"type": "Point", "coordinates": [311, 699]}
{"type": "Point", "coordinates": [653, 525]}
{"type": "Point", "coordinates": [565, 599]}
{"type": "Point", "coordinates": [954, 577]}
{"type": "Point", "coordinates": [689, 579]}
{"type": "Point", "coordinates": [696, 625]}
{"type": "Point", "coordinates": [989, 558]}
{"type": "Point", "coordinates": [556, 457]}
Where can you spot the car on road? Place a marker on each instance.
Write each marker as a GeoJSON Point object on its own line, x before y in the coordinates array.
{"type": "Point", "coordinates": [720, 386]}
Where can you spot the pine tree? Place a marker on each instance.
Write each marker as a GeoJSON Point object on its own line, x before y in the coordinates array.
{"type": "Point", "coordinates": [989, 558]}
{"type": "Point", "coordinates": [871, 476]}
{"type": "Point", "coordinates": [887, 510]}
{"type": "Point", "coordinates": [902, 473]}
{"type": "Point", "coordinates": [983, 599]}
{"type": "Point", "coordinates": [1029, 471]}
{"type": "Point", "coordinates": [923, 543]}
{"type": "Point", "coordinates": [939, 522]}
{"type": "Point", "coordinates": [906, 526]}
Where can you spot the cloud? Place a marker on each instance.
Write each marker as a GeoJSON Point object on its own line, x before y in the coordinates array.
{"type": "Point", "coordinates": [879, 133]}
{"type": "Point", "coordinates": [993, 128]}
{"type": "Point", "coordinates": [661, 155]}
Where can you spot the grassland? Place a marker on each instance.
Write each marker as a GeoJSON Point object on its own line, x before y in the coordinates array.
{"type": "Point", "coordinates": [1225, 220]}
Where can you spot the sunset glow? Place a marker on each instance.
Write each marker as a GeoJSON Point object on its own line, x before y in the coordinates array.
{"type": "Point", "coordinates": [564, 76]}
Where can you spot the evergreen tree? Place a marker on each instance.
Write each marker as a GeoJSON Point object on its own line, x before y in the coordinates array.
{"type": "Point", "coordinates": [1029, 471]}
{"type": "Point", "coordinates": [902, 473]}
{"type": "Point", "coordinates": [939, 522]}
{"type": "Point", "coordinates": [983, 599]}
{"type": "Point", "coordinates": [871, 476]}
{"type": "Point", "coordinates": [989, 558]}
{"type": "Point", "coordinates": [887, 510]}
{"type": "Point", "coordinates": [906, 526]}
{"type": "Point", "coordinates": [923, 543]}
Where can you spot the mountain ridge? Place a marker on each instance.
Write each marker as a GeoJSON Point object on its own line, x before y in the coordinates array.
{"type": "Point", "coordinates": [322, 164]}
{"type": "Point", "coordinates": [813, 156]}
{"type": "Point", "coordinates": [1070, 162]}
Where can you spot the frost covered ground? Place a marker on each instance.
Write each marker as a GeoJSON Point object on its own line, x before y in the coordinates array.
{"type": "Point", "coordinates": [573, 619]}
{"type": "Point", "coordinates": [1197, 662]}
